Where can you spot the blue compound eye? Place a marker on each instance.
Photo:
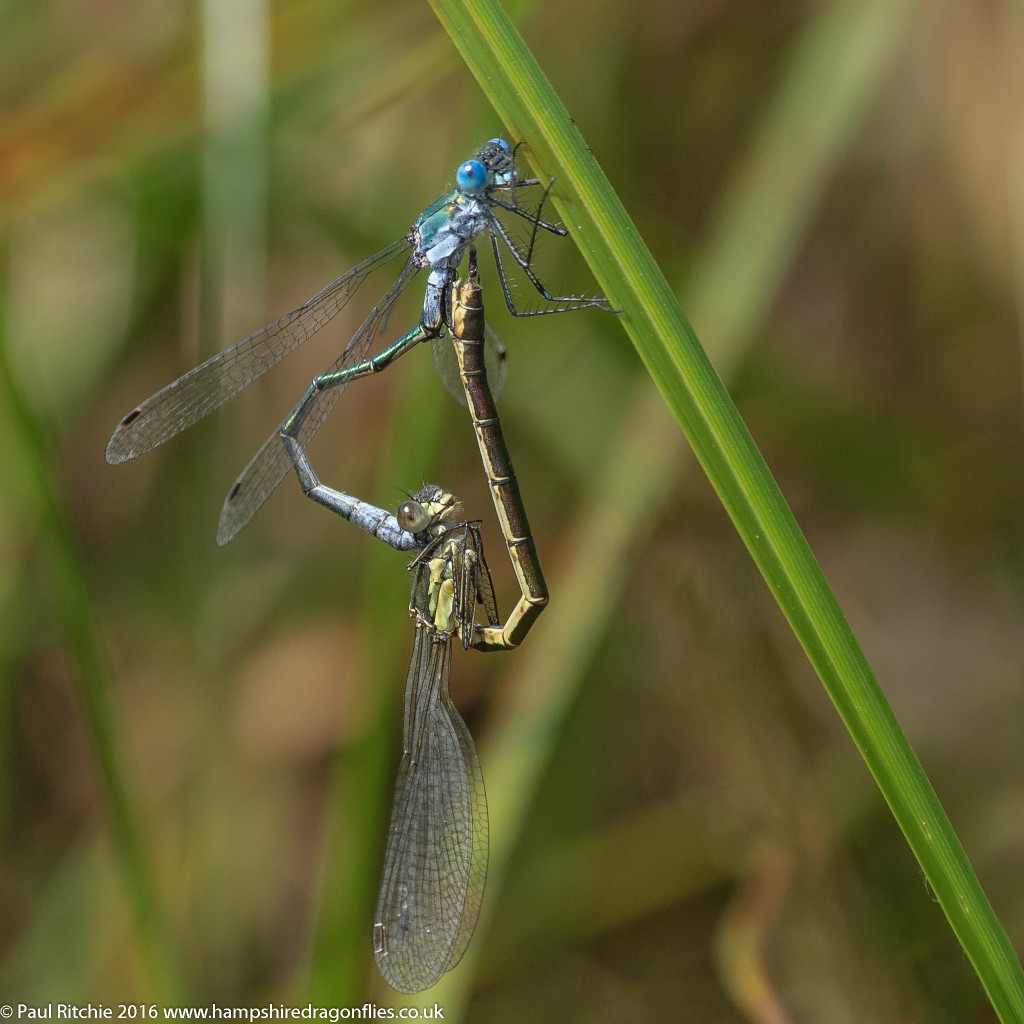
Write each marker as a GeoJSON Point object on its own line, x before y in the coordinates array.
{"type": "Point", "coordinates": [471, 177]}
{"type": "Point", "coordinates": [502, 144]}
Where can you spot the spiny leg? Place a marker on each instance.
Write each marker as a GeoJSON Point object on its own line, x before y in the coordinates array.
{"type": "Point", "coordinates": [533, 218]}
{"type": "Point", "coordinates": [562, 303]}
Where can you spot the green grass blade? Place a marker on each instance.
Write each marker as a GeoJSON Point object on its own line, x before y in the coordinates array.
{"type": "Point", "coordinates": [524, 99]}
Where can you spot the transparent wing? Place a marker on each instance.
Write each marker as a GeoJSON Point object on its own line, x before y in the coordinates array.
{"type": "Point", "coordinates": [482, 584]}
{"type": "Point", "coordinates": [473, 585]}
{"type": "Point", "coordinates": [268, 466]}
{"type": "Point", "coordinates": [447, 366]}
{"type": "Point", "coordinates": [204, 389]}
{"type": "Point", "coordinates": [435, 865]}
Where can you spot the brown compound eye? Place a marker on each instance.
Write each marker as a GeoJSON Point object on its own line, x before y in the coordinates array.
{"type": "Point", "coordinates": [412, 517]}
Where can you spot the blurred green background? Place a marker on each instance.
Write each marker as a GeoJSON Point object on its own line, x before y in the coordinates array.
{"type": "Point", "coordinates": [198, 743]}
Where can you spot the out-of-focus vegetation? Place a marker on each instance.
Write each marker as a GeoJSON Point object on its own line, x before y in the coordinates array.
{"type": "Point", "coordinates": [198, 742]}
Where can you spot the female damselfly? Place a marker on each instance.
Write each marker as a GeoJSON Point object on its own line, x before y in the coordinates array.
{"type": "Point", "coordinates": [435, 861]}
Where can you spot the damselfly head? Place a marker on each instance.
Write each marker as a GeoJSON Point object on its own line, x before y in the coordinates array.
{"type": "Point", "coordinates": [494, 164]}
{"type": "Point", "coordinates": [498, 157]}
{"type": "Point", "coordinates": [427, 509]}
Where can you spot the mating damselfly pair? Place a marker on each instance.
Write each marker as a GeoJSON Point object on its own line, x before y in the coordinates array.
{"type": "Point", "coordinates": [437, 241]}
{"type": "Point", "coordinates": [436, 857]}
